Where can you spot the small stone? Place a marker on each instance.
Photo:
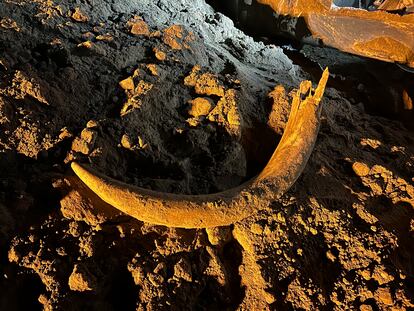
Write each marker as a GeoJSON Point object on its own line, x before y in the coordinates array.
{"type": "Point", "coordinates": [105, 38]}
{"type": "Point", "coordinates": [8, 23]}
{"type": "Point", "coordinates": [383, 295]}
{"type": "Point", "coordinates": [139, 27]}
{"type": "Point", "coordinates": [365, 274]}
{"type": "Point", "coordinates": [126, 141]}
{"type": "Point", "coordinates": [81, 204]}
{"type": "Point", "coordinates": [127, 84]}
{"type": "Point", "coordinates": [199, 107]}
{"type": "Point", "coordinates": [92, 124]}
{"type": "Point", "coordinates": [81, 280]}
{"type": "Point", "coordinates": [172, 35]}
{"type": "Point", "coordinates": [87, 45]}
{"type": "Point", "coordinates": [143, 88]}
{"type": "Point", "coordinates": [137, 272]}
{"type": "Point", "coordinates": [155, 34]}
{"type": "Point", "coordinates": [160, 55]}
{"type": "Point", "coordinates": [193, 122]}
{"type": "Point", "coordinates": [89, 135]}
{"type": "Point", "coordinates": [256, 229]}
{"type": "Point", "coordinates": [84, 144]}
{"type": "Point", "coordinates": [137, 73]}
{"type": "Point", "coordinates": [313, 231]}
{"type": "Point", "coordinates": [208, 84]}
{"type": "Point", "coordinates": [192, 78]}
{"type": "Point", "coordinates": [42, 299]}
{"type": "Point", "coordinates": [141, 143]}
{"type": "Point", "coordinates": [361, 169]}
{"type": "Point", "coordinates": [368, 142]}
{"type": "Point", "coordinates": [161, 269]}
{"type": "Point", "coordinates": [79, 16]}
{"type": "Point", "coordinates": [330, 256]}
{"type": "Point", "coordinates": [61, 251]}
{"type": "Point", "coordinates": [182, 270]}
{"type": "Point", "coordinates": [153, 69]}
{"type": "Point", "coordinates": [79, 145]}
{"type": "Point", "coordinates": [365, 308]}
{"type": "Point", "coordinates": [218, 235]}
{"type": "Point", "coordinates": [13, 255]}
{"type": "Point", "coordinates": [74, 229]}
{"type": "Point", "coordinates": [382, 276]}
{"type": "Point", "coordinates": [89, 48]}
{"type": "Point", "coordinates": [64, 133]}
{"type": "Point", "coordinates": [155, 279]}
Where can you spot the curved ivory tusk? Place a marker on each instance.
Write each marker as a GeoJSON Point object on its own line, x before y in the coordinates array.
{"type": "Point", "coordinates": [227, 207]}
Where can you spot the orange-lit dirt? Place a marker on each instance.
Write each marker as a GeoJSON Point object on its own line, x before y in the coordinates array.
{"type": "Point", "coordinates": [171, 97]}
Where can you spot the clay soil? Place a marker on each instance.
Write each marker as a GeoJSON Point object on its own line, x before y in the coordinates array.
{"type": "Point", "coordinates": [171, 96]}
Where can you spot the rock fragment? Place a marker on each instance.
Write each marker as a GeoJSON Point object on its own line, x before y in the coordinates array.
{"type": "Point", "coordinates": [279, 113]}
{"type": "Point", "coordinates": [218, 235]}
{"type": "Point", "coordinates": [171, 36]}
{"type": "Point", "coordinates": [126, 142]}
{"type": "Point", "coordinates": [106, 38]}
{"type": "Point", "coordinates": [200, 107]}
{"type": "Point", "coordinates": [85, 143]}
{"type": "Point", "coordinates": [81, 280]}
{"type": "Point", "coordinates": [64, 134]}
{"type": "Point", "coordinates": [365, 308]}
{"type": "Point", "coordinates": [89, 48]}
{"type": "Point", "coordinates": [383, 296]}
{"type": "Point", "coordinates": [382, 276]}
{"type": "Point", "coordinates": [207, 84]}
{"type": "Point", "coordinates": [182, 270]}
{"type": "Point", "coordinates": [127, 84]}
{"type": "Point", "coordinates": [177, 38]}
{"type": "Point", "coordinates": [361, 169]}
{"type": "Point", "coordinates": [152, 69]}
{"type": "Point", "coordinates": [92, 124]}
{"type": "Point", "coordinates": [138, 26]}
{"type": "Point", "coordinates": [80, 204]}
{"type": "Point", "coordinates": [134, 96]}
{"type": "Point", "coordinates": [160, 55]}
{"type": "Point", "coordinates": [8, 23]}
{"type": "Point", "coordinates": [79, 16]}
{"type": "Point", "coordinates": [25, 85]}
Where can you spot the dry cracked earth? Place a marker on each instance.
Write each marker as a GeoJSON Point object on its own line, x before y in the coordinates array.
{"type": "Point", "coordinates": [171, 96]}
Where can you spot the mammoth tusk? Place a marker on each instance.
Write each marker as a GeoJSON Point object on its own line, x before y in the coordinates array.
{"type": "Point", "coordinates": [227, 207]}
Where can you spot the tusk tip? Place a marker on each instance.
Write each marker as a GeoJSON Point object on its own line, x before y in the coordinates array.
{"type": "Point", "coordinates": [78, 169]}
{"type": "Point", "coordinates": [74, 165]}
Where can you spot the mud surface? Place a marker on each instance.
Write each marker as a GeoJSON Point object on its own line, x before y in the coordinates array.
{"type": "Point", "coordinates": [170, 96]}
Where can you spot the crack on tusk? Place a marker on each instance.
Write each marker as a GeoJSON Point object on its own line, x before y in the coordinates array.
{"type": "Point", "coordinates": [224, 208]}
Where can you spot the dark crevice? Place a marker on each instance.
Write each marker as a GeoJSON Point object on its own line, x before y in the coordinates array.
{"type": "Point", "coordinates": [20, 291]}
{"type": "Point", "coordinates": [231, 255]}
